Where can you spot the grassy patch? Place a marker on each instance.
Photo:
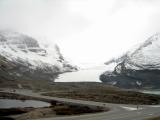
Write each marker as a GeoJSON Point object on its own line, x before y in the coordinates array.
{"type": "Point", "coordinates": [101, 93]}
{"type": "Point", "coordinates": [86, 91]}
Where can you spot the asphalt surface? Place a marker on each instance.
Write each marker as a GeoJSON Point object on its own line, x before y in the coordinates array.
{"type": "Point", "coordinates": [117, 111]}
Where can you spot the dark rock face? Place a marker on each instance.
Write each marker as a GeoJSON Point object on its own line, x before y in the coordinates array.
{"type": "Point", "coordinates": [133, 79]}
{"type": "Point", "coordinates": [139, 69]}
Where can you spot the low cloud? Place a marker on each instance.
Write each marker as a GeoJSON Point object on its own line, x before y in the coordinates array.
{"type": "Point", "coordinates": [86, 30]}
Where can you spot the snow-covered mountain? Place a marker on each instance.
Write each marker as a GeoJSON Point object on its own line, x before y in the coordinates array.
{"type": "Point", "coordinates": [22, 57]}
{"type": "Point", "coordinates": [139, 68]}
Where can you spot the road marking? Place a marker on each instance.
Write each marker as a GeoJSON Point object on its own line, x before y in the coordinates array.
{"type": "Point", "coordinates": [130, 108]}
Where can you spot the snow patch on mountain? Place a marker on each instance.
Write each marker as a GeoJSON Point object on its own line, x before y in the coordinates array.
{"type": "Point", "coordinates": [146, 56]}
{"type": "Point", "coordinates": [27, 55]}
{"type": "Point", "coordinates": [139, 67]}
{"type": "Point", "coordinates": [14, 46]}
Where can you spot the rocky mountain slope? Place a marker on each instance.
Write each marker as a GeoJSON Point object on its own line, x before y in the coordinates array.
{"type": "Point", "coordinates": [22, 57]}
{"type": "Point", "coordinates": [140, 68]}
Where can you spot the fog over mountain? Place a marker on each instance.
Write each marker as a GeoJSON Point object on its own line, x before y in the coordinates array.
{"type": "Point", "coordinates": [87, 31]}
{"type": "Point", "coordinates": [79, 59]}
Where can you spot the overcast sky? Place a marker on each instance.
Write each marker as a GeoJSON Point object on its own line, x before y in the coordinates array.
{"type": "Point", "coordinates": [87, 31]}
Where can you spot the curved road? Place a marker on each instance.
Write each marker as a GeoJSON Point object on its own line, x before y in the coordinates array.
{"type": "Point", "coordinates": [117, 112]}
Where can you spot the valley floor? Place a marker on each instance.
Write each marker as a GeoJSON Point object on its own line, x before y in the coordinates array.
{"type": "Point", "coordinates": [122, 103]}
{"type": "Point", "coordinates": [117, 111]}
{"type": "Point", "coordinates": [92, 91]}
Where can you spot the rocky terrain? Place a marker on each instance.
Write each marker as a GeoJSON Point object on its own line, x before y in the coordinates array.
{"type": "Point", "coordinates": [23, 58]}
{"type": "Point", "coordinates": [140, 68]}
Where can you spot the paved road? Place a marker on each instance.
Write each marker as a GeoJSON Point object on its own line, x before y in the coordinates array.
{"type": "Point", "coordinates": [117, 112]}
